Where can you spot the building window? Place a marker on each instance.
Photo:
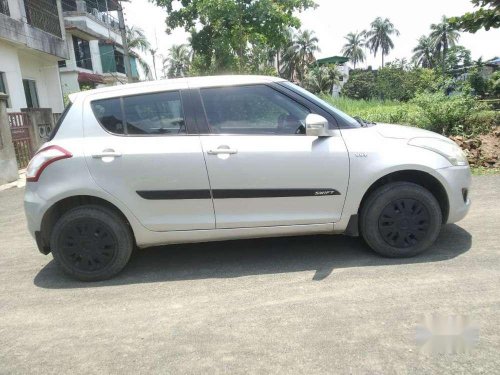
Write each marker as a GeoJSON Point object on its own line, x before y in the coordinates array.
{"type": "Point", "coordinates": [3, 85]}
{"type": "Point", "coordinates": [62, 63]}
{"type": "Point", "coordinates": [120, 63]}
{"type": "Point", "coordinates": [4, 7]}
{"type": "Point", "coordinates": [31, 93]}
{"type": "Point", "coordinates": [82, 53]}
{"type": "Point", "coordinates": [44, 15]}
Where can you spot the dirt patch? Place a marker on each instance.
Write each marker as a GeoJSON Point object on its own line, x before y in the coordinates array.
{"type": "Point", "coordinates": [482, 151]}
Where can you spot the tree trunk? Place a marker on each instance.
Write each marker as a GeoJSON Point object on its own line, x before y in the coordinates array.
{"type": "Point", "coordinates": [382, 59]}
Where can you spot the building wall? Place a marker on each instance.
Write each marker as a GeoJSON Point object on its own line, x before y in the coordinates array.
{"type": "Point", "coordinates": [344, 70]}
{"type": "Point", "coordinates": [46, 74]}
{"type": "Point", "coordinates": [9, 64]}
{"type": "Point", "coordinates": [19, 64]}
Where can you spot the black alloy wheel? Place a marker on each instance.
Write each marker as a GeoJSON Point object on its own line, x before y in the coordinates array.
{"type": "Point", "coordinates": [404, 222]}
{"type": "Point", "coordinates": [92, 242]}
{"type": "Point", "coordinates": [88, 244]}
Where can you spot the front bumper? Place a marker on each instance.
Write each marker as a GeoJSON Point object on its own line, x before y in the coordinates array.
{"type": "Point", "coordinates": [457, 182]}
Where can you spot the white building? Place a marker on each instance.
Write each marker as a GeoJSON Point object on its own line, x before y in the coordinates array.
{"type": "Point", "coordinates": [94, 44]}
{"type": "Point", "coordinates": [31, 44]}
{"type": "Point", "coordinates": [341, 64]}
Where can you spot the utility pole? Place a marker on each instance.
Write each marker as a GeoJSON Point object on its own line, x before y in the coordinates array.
{"type": "Point", "coordinates": [123, 30]}
{"type": "Point", "coordinates": [153, 53]}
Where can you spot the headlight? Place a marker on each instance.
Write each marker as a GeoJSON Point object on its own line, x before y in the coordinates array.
{"type": "Point", "coordinates": [449, 149]}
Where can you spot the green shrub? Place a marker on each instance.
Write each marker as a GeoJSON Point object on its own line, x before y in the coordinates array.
{"type": "Point", "coordinates": [448, 115]}
{"type": "Point", "coordinates": [481, 122]}
{"type": "Point", "coordinates": [361, 85]}
{"type": "Point", "coordinates": [378, 110]}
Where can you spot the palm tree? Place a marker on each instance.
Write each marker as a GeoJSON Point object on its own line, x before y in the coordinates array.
{"type": "Point", "coordinates": [423, 52]}
{"type": "Point", "coordinates": [379, 37]}
{"type": "Point", "coordinates": [443, 36]}
{"type": "Point", "coordinates": [177, 63]}
{"type": "Point", "coordinates": [321, 79]}
{"type": "Point", "coordinates": [137, 41]}
{"type": "Point", "coordinates": [353, 49]}
{"type": "Point", "coordinates": [300, 54]}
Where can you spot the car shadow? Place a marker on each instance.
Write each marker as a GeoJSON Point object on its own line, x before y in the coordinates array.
{"type": "Point", "coordinates": [228, 259]}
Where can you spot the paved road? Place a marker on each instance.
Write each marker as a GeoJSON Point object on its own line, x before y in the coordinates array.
{"type": "Point", "coordinates": [292, 305]}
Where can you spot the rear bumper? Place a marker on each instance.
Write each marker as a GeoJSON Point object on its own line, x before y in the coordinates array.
{"type": "Point", "coordinates": [457, 182]}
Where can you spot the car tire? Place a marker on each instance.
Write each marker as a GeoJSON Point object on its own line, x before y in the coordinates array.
{"type": "Point", "coordinates": [400, 219]}
{"type": "Point", "coordinates": [91, 243]}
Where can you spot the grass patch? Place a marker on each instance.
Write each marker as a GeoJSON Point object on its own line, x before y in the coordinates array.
{"type": "Point", "coordinates": [391, 112]}
{"type": "Point", "coordinates": [457, 115]}
{"type": "Point", "coordinates": [483, 171]}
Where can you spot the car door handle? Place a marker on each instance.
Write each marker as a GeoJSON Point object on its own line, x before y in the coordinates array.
{"type": "Point", "coordinates": [107, 154]}
{"type": "Point", "coordinates": [222, 151]}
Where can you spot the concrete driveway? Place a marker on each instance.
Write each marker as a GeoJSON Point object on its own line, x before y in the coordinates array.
{"type": "Point", "coordinates": [321, 304]}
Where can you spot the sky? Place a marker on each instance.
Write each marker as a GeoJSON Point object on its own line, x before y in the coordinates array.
{"type": "Point", "coordinates": [332, 20]}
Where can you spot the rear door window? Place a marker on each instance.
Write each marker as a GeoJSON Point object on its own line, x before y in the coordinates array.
{"type": "Point", "coordinates": [147, 114]}
{"type": "Point", "coordinates": [154, 114]}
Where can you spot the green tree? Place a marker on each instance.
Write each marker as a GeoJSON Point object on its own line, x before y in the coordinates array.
{"type": "Point", "coordinates": [495, 84]}
{"type": "Point", "coordinates": [423, 53]}
{"type": "Point", "coordinates": [222, 31]}
{"type": "Point", "coordinates": [487, 16]}
{"type": "Point", "coordinates": [379, 36]}
{"type": "Point", "coordinates": [443, 36]}
{"type": "Point", "coordinates": [137, 41]}
{"type": "Point", "coordinates": [361, 85]}
{"type": "Point", "coordinates": [300, 54]}
{"type": "Point", "coordinates": [477, 82]}
{"type": "Point", "coordinates": [321, 79]}
{"type": "Point", "coordinates": [177, 62]}
{"type": "Point", "coordinates": [353, 49]}
{"type": "Point", "coordinates": [458, 61]}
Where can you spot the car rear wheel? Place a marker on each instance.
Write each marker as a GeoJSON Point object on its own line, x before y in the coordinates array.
{"type": "Point", "coordinates": [91, 243]}
{"type": "Point", "coordinates": [400, 219]}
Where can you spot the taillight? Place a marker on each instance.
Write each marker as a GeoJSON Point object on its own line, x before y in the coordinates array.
{"type": "Point", "coordinates": [43, 159]}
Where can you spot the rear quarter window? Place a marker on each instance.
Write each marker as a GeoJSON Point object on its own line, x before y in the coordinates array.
{"type": "Point", "coordinates": [59, 122]}
{"type": "Point", "coordinates": [109, 114]}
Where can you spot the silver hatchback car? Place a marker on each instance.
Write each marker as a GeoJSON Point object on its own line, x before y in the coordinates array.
{"type": "Point", "coordinates": [217, 158]}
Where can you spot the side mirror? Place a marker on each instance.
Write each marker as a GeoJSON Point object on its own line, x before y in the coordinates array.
{"type": "Point", "coordinates": [317, 126]}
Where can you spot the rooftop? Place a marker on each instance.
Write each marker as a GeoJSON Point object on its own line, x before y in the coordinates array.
{"type": "Point", "coordinates": [332, 60]}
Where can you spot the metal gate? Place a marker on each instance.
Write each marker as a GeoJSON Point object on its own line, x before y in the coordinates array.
{"type": "Point", "coordinates": [21, 137]}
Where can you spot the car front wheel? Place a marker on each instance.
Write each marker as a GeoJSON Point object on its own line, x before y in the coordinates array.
{"type": "Point", "coordinates": [400, 219]}
{"type": "Point", "coordinates": [91, 243]}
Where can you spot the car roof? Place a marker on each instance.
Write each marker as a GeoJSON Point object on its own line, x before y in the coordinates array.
{"type": "Point", "coordinates": [174, 84]}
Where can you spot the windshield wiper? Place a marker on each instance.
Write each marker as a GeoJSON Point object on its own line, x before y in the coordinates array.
{"type": "Point", "coordinates": [364, 123]}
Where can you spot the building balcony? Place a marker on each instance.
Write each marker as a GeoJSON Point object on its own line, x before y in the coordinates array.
{"type": "Point", "coordinates": [44, 15]}
{"type": "Point", "coordinates": [98, 16]}
{"type": "Point", "coordinates": [36, 25]}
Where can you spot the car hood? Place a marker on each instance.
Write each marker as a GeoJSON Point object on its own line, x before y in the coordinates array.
{"type": "Point", "coordinates": [405, 132]}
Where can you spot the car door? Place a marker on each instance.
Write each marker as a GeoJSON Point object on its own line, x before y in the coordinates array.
{"type": "Point", "coordinates": [142, 150]}
{"type": "Point", "coordinates": [263, 169]}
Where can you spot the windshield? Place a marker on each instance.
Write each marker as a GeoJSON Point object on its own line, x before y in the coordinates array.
{"type": "Point", "coordinates": [318, 101]}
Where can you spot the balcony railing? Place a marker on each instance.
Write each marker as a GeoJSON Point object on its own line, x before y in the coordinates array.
{"type": "Point", "coordinates": [4, 7]}
{"type": "Point", "coordinates": [100, 9]}
{"type": "Point", "coordinates": [43, 15]}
